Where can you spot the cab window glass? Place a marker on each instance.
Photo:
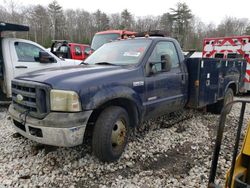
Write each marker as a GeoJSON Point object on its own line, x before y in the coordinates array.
{"type": "Point", "coordinates": [219, 55]}
{"type": "Point", "coordinates": [27, 52]}
{"type": "Point", "coordinates": [78, 50]}
{"type": "Point", "coordinates": [125, 52]}
{"type": "Point", "coordinates": [63, 49]}
{"type": "Point", "coordinates": [234, 55]}
{"type": "Point", "coordinates": [87, 50]}
{"type": "Point", "coordinates": [161, 49]}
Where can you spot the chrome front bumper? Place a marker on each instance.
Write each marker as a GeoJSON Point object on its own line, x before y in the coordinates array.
{"type": "Point", "coordinates": [57, 129]}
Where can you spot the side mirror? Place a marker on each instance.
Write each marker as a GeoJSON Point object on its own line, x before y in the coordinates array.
{"type": "Point", "coordinates": [1, 72]}
{"type": "Point", "coordinates": [160, 66]}
{"type": "Point", "coordinates": [45, 57]}
{"type": "Point", "coordinates": [1, 69]}
{"type": "Point", "coordinates": [166, 63]}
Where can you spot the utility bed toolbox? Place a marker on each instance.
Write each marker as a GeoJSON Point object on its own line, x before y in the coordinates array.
{"type": "Point", "coordinates": [208, 79]}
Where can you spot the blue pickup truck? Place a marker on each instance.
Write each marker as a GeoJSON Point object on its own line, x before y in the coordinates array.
{"type": "Point", "coordinates": [119, 86]}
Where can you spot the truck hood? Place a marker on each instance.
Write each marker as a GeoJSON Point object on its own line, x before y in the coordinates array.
{"type": "Point", "coordinates": [75, 77]}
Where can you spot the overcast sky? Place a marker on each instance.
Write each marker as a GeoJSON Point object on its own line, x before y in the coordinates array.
{"type": "Point", "coordinates": [208, 11]}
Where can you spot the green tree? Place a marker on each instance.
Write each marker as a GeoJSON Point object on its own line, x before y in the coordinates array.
{"type": "Point", "coordinates": [232, 26]}
{"type": "Point", "coordinates": [147, 23]}
{"type": "Point", "coordinates": [181, 16]}
{"type": "Point", "coordinates": [167, 23]}
{"type": "Point", "coordinates": [57, 19]}
{"type": "Point", "coordinates": [247, 32]}
{"type": "Point", "coordinates": [115, 20]}
{"type": "Point", "coordinates": [101, 21]}
{"type": "Point", "coordinates": [127, 20]}
{"type": "Point", "coordinates": [38, 18]}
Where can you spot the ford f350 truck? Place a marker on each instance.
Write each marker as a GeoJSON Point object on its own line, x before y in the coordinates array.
{"type": "Point", "coordinates": [119, 86]}
{"type": "Point", "coordinates": [18, 56]}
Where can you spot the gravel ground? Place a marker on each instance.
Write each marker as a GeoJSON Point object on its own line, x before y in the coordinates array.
{"type": "Point", "coordinates": [170, 152]}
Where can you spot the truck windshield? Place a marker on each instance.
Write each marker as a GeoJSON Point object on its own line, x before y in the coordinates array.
{"type": "Point", "coordinates": [100, 39]}
{"type": "Point", "coordinates": [126, 52]}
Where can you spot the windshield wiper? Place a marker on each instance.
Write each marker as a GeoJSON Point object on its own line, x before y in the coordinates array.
{"type": "Point", "coordinates": [105, 63]}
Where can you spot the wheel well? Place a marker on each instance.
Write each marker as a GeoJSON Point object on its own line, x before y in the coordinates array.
{"type": "Point", "coordinates": [127, 104]}
{"type": "Point", "coordinates": [233, 87]}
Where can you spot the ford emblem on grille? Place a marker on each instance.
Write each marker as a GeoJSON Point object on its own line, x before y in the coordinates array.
{"type": "Point", "coordinates": [19, 98]}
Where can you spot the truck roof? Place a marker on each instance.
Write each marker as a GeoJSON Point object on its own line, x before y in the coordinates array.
{"type": "Point", "coordinates": [12, 27]}
{"type": "Point", "coordinates": [228, 37]}
{"type": "Point", "coordinates": [68, 42]}
{"type": "Point", "coordinates": [72, 43]}
{"type": "Point", "coordinates": [154, 38]}
{"type": "Point", "coordinates": [117, 32]}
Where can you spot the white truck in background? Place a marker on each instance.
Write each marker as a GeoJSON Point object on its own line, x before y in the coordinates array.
{"type": "Point", "coordinates": [18, 56]}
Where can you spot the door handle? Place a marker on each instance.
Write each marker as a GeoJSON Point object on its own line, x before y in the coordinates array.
{"type": "Point", "coordinates": [183, 79]}
{"type": "Point", "coordinates": [21, 67]}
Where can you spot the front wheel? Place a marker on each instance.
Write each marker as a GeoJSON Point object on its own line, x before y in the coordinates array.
{"type": "Point", "coordinates": [110, 134]}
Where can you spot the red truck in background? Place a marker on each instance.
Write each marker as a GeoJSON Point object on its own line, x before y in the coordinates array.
{"type": "Point", "coordinates": [68, 50]}
{"type": "Point", "coordinates": [229, 47]}
{"type": "Point", "coordinates": [103, 37]}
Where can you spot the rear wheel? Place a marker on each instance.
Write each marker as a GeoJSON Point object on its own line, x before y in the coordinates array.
{"type": "Point", "coordinates": [110, 134]}
{"type": "Point", "coordinates": [217, 107]}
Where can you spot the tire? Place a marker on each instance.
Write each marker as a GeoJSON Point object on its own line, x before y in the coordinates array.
{"type": "Point", "coordinates": [229, 97]}
{"type": "Point", "coordinates": [110, 134]}
{"type": "Point", "coordinates": [217, 107]}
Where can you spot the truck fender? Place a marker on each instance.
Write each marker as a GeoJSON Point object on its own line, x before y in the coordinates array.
{"type": "Point", "coordinates": [231, 85]}
{"type": "Point", "coordinates": [110, 93]}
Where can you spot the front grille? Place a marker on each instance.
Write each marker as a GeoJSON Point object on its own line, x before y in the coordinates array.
{"type": "Point", "coordinates": [31, 97]}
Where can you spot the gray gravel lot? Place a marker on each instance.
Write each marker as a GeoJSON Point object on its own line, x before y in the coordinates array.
{"type": "Point", "coordinates": [168, 153]}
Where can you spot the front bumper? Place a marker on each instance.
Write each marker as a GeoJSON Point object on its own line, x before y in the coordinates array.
{"type": "Point", "coordinates": [57, 129]}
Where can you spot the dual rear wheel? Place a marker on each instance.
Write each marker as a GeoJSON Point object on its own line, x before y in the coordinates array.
{"type": "Point", "coordinates": [217, 107]}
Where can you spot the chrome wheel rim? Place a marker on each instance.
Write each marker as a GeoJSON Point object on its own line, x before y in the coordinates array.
{"type": "Point", "coordinates": [119, 132]}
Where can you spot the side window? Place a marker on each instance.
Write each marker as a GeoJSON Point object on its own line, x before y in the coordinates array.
{"type": "Point", "coordinates": [27, 52]}
{"type": "Point", "coordinates": [63, 49]}
{"type": "Point", "coordinates": [219, 55]}
{"type": "Point", "coordinates": [78, 50]}
{"type": "Point", "coordinates": [161, 49]}
{"type": "Point", "coordinates": [87, 50]}
{"type": "Point", "coordinates": [234, 55]}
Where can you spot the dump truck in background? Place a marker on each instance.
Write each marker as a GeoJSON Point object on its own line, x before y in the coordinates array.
{"type": "Point", "coordinates": [19, 56]}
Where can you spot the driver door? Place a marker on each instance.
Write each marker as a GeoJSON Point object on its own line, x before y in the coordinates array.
{"type": "Point", "coordinates": [24, 58]}
{"type": "Point", "coordinates": [164, 90]}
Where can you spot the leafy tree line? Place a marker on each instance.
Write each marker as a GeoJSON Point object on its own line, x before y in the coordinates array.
{"type": "Point", "coordinates": [54, 22]}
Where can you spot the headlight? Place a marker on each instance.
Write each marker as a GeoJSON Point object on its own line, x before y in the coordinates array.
{"type": "Point", "coordinates": [65, 101]}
